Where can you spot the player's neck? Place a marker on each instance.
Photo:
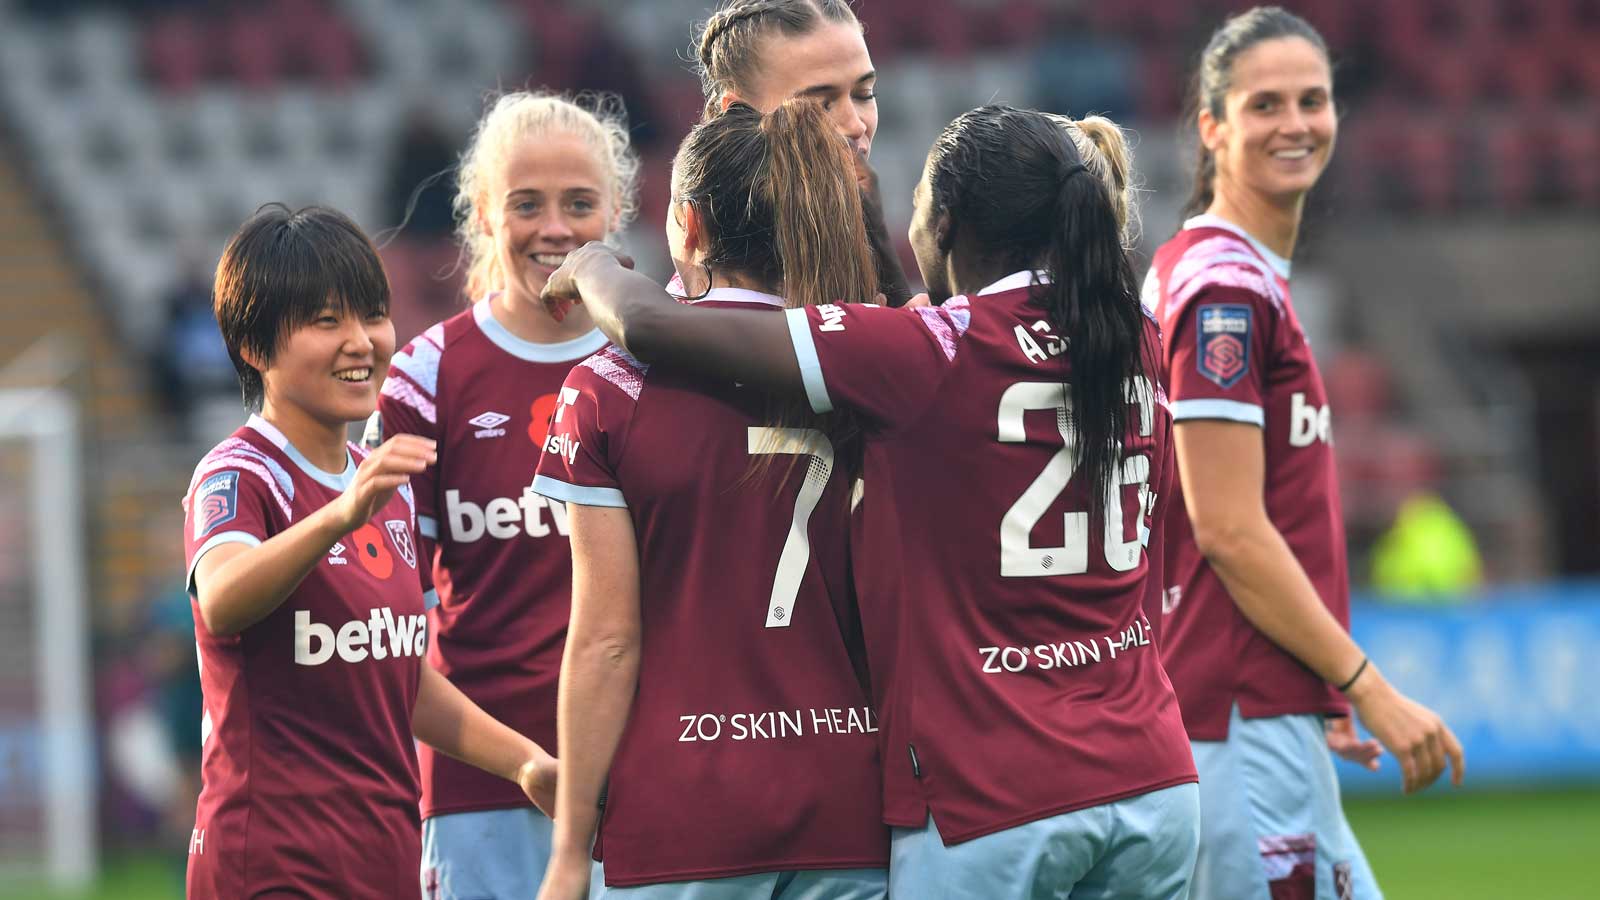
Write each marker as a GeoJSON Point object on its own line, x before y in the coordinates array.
{"type": "Point", "coordinates": [1275, 225]}
{"type": "Point", "coordinates": [970, 272]}
{"type": "Point", "coordinates": [528, 320]}
{"type": "Point", "coordinates": [321, 443]}
{"type": "Point", "coordinates": [739, 281]}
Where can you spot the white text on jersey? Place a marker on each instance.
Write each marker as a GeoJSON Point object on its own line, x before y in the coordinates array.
{"type": "Point", "coordinates": [1065, 654]}
{"type": "Point", "coordinates": [380, 636]}
{"type": "Point", "coordinates": [832, 317]}
{"type": "Point", "coordinates": [1032, 350]}
{"type": "Point", "coordinates": [780, 723]}
{"type": "Point", "coordinates": [1308, 423]}
{"type": "Point", "coordinates": [562, 446]}
{"type": "Point", "coordinates": [499, 517]}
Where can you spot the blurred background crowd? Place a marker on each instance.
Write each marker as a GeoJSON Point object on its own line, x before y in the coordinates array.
{"type": "Point", "coordinates": [1449, 279]}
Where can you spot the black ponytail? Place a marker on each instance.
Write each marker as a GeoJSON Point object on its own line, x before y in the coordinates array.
{"type": "Point", "coordinates": [1016, 180]}
{"type": "Point", "coordinates": [1093, 301]}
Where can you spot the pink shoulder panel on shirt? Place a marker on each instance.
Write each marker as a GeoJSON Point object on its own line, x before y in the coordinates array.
{"type": "Point", "coordinates": [620, 368]}
{"type": "Point", "coordinates": [237, 453]}
{"type": "Point", "coordinates": [947, 322]}
{"type": "Point", "coordinates": [1221, 261]}
{"type": "Point", "coordinates": [418, 363]}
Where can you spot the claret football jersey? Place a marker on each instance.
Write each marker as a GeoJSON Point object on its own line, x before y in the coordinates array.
{"type": "Point", "coordinates": [495, 553]}
{"type": "Point", "coordinates": [1010, 657]}
{"type": "Point", "coordinates": [751, 746]}
{"type": "Point", "coordinates": [1235, 352]}
{"type": "Point", "coordinates": [308, 766]}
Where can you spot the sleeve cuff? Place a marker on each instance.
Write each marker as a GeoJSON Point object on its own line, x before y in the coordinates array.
{"type": "Point", "coordinates": [212, 543]}
{"type": "Point", "coordinates": [805, 353]}
{"type": "Point", "coordinates": [430, 599]}
{"type": "Point", "coordinates": [573, 493]}
{"type": "Point", "coordinates": [1229, 410]}
{"type": "Point", "coordinates": [428, 527]}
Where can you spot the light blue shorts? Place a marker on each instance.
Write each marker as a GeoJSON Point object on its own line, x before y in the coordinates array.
{"type": "Point", "coordinates": [823, 884]}
{"type": "Point", "coordinates": [1141, 848]}
{"type": "Point", "coordinates": [1270, 821]}
{"type": "Point", "coordinates": [492, 854]}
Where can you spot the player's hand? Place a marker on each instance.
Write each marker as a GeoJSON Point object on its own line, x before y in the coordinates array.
{"type": "Point", "coordinates": [1343, 741]}
{"type": "Point", "coordinates": [382, 473]}
{"type": "Point", "coordinates": [561, 290]}
{"type": "Point", "coordinates": [566, 879]}
{"type": "Point", "coordinates": [919, 300]}
{"type": "Point", "coordinates": [537, 778]}
{"type": "Point", "coordinates": [1418, 738]}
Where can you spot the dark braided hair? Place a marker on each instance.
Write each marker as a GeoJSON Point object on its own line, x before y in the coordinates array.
{"type": "Point", "coordinates": [1058, 211]}
{"type": "Point", "coordinates": [725, 51]}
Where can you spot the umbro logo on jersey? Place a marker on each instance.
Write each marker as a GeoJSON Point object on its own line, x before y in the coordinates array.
{"type": "Point", "coordinates": [489, 424]}
{"type": "Point", "coordinates": [336, 555]}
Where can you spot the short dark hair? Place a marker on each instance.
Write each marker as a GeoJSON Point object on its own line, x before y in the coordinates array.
{"type": "Point", "coordinates": [280, 270]}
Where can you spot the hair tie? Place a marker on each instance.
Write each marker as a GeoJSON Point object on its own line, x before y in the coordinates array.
{"type": "Point", "coordinates": [1073, 169]}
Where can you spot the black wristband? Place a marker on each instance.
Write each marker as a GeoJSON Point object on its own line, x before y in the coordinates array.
{"type": "Point", "coordinates": [1359, 669]}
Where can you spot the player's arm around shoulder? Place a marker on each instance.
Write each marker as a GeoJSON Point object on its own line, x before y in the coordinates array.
{"type": "Point", "coordinates": [638, 316]}
{"type": "Point", "coordinates": [599, 674]}
{"type": "Point", "coordinates": [237, 584]}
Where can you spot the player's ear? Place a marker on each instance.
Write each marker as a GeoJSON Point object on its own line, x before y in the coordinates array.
{"type": "Point", "coordinates": [944, 232]}
{"type": "Point", "coordinates": [1210, 129]}
{"type": "Point", "coordinates": [615, 224]}
{"type": "Point", "coordinates": [695, 236]}
{"type": "Point", "coordinates": [252, 359]}
{"type": "Point", "coordinates": [728, 99]}
{"type": "Point", "coordinates": [479, 212]}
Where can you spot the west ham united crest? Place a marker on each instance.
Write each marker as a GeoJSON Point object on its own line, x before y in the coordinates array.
{"type": "Point", "coordinates": [1224, 342]}
{"type": "Point", "coordinates": [400, 535]}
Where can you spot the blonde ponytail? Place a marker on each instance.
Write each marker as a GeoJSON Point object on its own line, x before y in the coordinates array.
{"type": "Point", "coordinates": [1103, 146]}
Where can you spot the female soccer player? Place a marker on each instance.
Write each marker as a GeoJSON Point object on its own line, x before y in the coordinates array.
{"type": "Point", "coordinates": [710, 659]}
{"type": "Point", "coordinates": [1019, 459]}
{"type": "Point", "coordinates": [1257, 606]}
{"type": "Point", "coordinates": [543, 176]}
{"type": "Point", "coordinates": [308, 613]}
{"type": "Point", "coordinates": [763, 52]}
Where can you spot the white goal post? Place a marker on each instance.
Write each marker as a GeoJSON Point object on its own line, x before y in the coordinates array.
{"type": "Point", "coordinates": [45, 421]}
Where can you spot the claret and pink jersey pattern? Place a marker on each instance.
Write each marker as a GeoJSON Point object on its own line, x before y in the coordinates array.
{"type": "Point", "coordinates": [495, 553]}
{"type": "Point", "coordinates": [1235, 352]}
{"type": "Point", "coordinates": [751, 746]}
{"type": "Point", "coordinates": [308, 767]}
{"type": "Point", "coordinates": [1011, 660]}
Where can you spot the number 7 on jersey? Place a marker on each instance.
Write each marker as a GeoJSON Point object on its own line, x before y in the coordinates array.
{"type": "Point", "coordinates": [797, 546]}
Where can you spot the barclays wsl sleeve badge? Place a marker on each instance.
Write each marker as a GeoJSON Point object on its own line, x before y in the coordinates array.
{"type": "Point", "coordinates": [1224, 334]}
{"type": "Point", "coordinates": [216, 501]}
